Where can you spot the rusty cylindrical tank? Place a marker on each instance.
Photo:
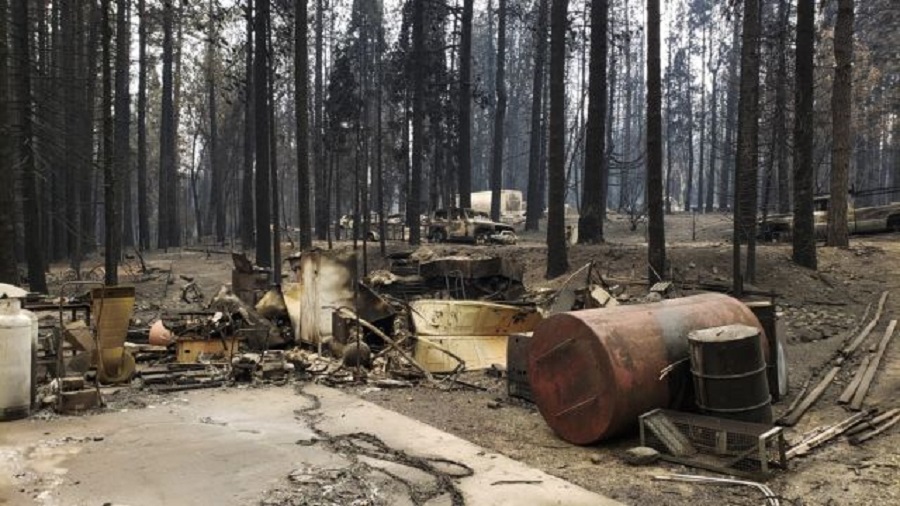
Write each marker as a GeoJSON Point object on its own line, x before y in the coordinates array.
{"type": "Point", "coordinates": [594, 372]}
{"type": "Point", "coordinates": [729, 371]}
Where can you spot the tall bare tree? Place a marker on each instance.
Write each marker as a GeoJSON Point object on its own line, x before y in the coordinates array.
{"type": "Point", "coordinates": [557, 256]}
{"type": "Point", "coordinates": [167, 220]}
{"type": "Point", "coordinates": [322, 201]}
{"type": "Point", "coordinates": [593, 210]}
{"type": "Point", "coordinates": [464, 145]}
{"type": "Point", "coordinates": [115, 187]}
{"type": "Point", "coordinates": [804, 238]}
{"type": "Point", "coordinates": [247, 223]}
{"type": "Point", "coordinates": [534, 209]}
{"type": "Point", "coordinates": [418, 122]}
{"type": "Point", "coordinates": [499, 113]}
{"type": "Point", "coordinates": [111, 222]}
{"type": "Point", "coordinates": [263, 149]}
{"type": "Point", "coordinates": [21, 81]}
{"type": "Point", "coordinates": [745, 180]}
{"type": "Point", "coordinates": [841, 120]}
{"type": "Point", "coordinates": [9, 272]}
{"type": "Point", "coordinates": [143, 211]}
{"type": "Point", "coordinates": [656, 246]}
{"type": "Point", "coordinates": [301, 63]}
{"type": "Point", "coordinates": [217, 170]}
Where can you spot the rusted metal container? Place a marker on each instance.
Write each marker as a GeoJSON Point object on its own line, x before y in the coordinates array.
{"type": "Point", "coordinates": [729, 370]}
{"type": "Point", "coordinates": [594, 372]}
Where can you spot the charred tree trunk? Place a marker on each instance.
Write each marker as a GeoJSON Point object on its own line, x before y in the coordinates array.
{"type": "Point", "coordinates": [557, 256]}
{"type": "Point", "coordinates": [9, 272]}
{"type": "Point", "coordinates": [464, 148]}
{"type": "Point", "coordinates": [167, 168]}
{"type": "Point", "coordinates": [261, 95]}
{"type": "Point", "coordinates": [217, 172]}
{"type": "Point", "coordinates": [593, 206]}
{"type": "Point", "coordinates": [247, 223]}
{"type": "Point", "coordinates": [322, 201]}
{"type": "Point", "coordinates": [804, 238]}
{"type": "Point", "coordinates": [728, 167]}
{"type": "Point", "coordinates": [499, 114]}
{"type": "Point", "coordinates": [301, 62]}
{"type": "Point", "coordinates": [111, 222]}
{"type": "Point", "coordinates": [123, 125]}
{"type": "Point", "coordinates": [746, 176]}
{"type": "Point", "coordinates": [779, 129]}
{"type": "Point", "coordinates": [21, 59]}
{"type": "Point", "coordinates": [418, 122]}
{"type": "Point", "coordinates": [534, 198]}
{"type": "Point", "coordinates": [143, 212]}
{"type": "Point", "coordinates": [656, 228]}
{"type": "Point", "coordinates": [841, 121]}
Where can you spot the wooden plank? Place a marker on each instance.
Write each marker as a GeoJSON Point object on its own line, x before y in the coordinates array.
{"type": "Point", "coordinates": [854, 384]}
{"type": "Point", "coordinates": [793, 417]}
{"type": "Point", "coordinates": [860, 394]}
{"type": "Point", "coordinates": [868, 329]}
{"type": "Point", "coordinates": [869, 435]}
{"type": "Point", "coordinates": [826, 435]}
{"type": "Point", "coordinates": [873, 423]}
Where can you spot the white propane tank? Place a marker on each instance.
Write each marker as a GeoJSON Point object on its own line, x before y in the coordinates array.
{"type": "Point", "coordinates": [16, 329]}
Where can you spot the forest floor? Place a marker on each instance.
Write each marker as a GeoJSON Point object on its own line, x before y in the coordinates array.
{"type": "Point", "coordinates": [817, 309]}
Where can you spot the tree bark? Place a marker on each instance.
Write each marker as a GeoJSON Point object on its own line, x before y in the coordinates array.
{"type": "Point", "coordinates": [217, 172]}
{"type": "Point", "coordinates": [111, 222]}
{"type": "Point", "coordinates": [593, 205]}
{"type": "Point", "coordinates": [261, 95]}
{"type": "Point", "coordinates": [418, 122]}
{"type": "Point", "coordinates": [841, 121]}
{"type": "Point", "coordinates": [499, 113]}
{"type": "Point", "coordinates": [534, 209]}
{"type": "Point", "coordinates": [804, 238]}
{"type": "Point", "coordinates": [728, 167]}
{"type": "Point", "coordinates": [322, 201]}
{"type": "Point", "coordinates": [557, 256]}
{"type": "Point", "coordinates": [143, 212]}
{"type": "Point", "coordinates": [247, 220]}
{"type": "Point", "coordinates": [746, 176]}
{"type": "Point", "coordinates": [122, 145]}
{"type": "Point", "coordinates": [780, 127]}
{"type": "Point", "coordinates": [656, 247]}
{"type": "Point", "coordinates": [167, 168]}
{"type": "Point", "coordinates": [9, 272]}
{"type": "Point", "coordinates": [301, 64]}
{"type": "Point", "coordinates": [464, 147]}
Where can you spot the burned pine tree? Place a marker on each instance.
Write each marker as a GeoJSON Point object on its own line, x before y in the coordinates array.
{"type": "Point", "coordinates": [557, 255]}
{"type": "Point", "coordinates": [593, 212]}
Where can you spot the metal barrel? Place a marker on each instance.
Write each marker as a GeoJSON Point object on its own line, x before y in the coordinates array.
{"type": "Point", "coordinates": [594, 372]}
{"type": "Point", "coordinates": [776, 371]}
{"type": "Point", "coordinates": [728, 365]}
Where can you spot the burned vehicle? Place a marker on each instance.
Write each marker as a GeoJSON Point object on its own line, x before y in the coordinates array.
{"type": "Point", "coordinates": [468, 225]}
{"type": "Point", "coordinates": [860, 220]}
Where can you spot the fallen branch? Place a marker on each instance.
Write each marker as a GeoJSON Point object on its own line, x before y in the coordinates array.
{"type": "Point", "coordinates": [825, 436]}
{"type": "Point", "coordinates": [868, 329]}
{"type": "Point", "coordinates": [390, 342]}
{"type": "Point", "coordinates": [873, 423]}
{"type": "Point", "coordinates": [799, 395]}
{"type": "Point", "coordinates": [860, 394]}
{"type": "Point", "coordinates": [869, 435]}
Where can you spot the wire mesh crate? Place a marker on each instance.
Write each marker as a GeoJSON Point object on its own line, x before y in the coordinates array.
{"type": "Point", "coordinates": [716, 444]}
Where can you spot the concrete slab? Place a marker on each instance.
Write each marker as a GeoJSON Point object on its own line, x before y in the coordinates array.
{"type": "Point", "coordinates": [230, 446]}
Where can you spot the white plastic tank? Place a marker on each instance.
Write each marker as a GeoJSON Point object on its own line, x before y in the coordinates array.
{"type": "Point", "coordinates": [16, 348]}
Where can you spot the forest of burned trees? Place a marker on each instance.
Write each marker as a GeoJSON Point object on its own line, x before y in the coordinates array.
{"type": "Point", "coordinates": [131, 125]}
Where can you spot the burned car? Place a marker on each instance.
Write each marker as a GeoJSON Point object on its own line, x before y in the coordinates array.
{"type": "Point", "coordinates": [467, 225]}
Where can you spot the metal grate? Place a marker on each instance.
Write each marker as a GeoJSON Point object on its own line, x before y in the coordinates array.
{"type": "Point", "coordinates": [716, 444]}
